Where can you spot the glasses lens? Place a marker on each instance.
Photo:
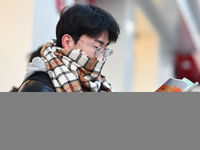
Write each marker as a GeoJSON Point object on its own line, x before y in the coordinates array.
{"type": "Point", "coordinates": [99, 51]}
{"type": "Point", "coordinates": [108, 53]}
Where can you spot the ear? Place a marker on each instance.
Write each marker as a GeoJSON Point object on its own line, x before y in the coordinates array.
{"type": "Point", "coordinates": [67, 42]}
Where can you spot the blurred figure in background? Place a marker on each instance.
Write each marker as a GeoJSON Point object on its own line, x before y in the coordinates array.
{"type": "Point", "coordinates": [74, 61]}
{"type": "Point", "coordinates": [14, 89]}
{"type": "Point", "coordinates": [35, 54]}
{"type": "Point", "coordinates": [32, 55]}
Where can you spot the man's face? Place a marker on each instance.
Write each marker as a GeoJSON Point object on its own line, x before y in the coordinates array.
{"type": "Point", "coordinates": [85, 43]}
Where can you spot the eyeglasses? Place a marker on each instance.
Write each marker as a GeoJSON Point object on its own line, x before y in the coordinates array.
{"type": "Point", "coordinates": [99, 50]}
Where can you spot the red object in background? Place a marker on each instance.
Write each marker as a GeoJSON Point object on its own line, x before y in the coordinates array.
{"type": "Point", "coordinates": [60, 4]}
{"type": "Point", "coordinates": [91, 1]}
{"type": "Point", "coordinates": [187, 66]}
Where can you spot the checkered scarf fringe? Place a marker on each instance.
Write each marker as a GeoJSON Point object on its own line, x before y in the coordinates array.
{"type": "Point", "coordinates": [72, 71]}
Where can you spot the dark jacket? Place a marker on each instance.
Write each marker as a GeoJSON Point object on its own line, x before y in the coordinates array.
{"type": "Point", "coordinates": [38, 82]}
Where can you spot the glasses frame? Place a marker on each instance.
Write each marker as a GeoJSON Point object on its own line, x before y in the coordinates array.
{"type": "Point", "coordinates": [97, 49]}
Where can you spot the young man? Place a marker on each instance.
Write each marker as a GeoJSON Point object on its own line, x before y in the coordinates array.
{"type": "Point", "coordinates": [73, 62]}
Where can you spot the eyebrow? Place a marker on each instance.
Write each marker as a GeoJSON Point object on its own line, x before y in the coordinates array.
{"type": "Point", "coordinates": [101, 42]}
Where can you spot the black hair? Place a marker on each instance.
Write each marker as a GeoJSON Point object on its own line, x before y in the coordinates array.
{"type": "Point", "coordinates": [90, 20]}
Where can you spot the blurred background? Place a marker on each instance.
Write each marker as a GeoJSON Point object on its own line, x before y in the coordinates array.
{"type": "Point", "coordinates": [159, 39]}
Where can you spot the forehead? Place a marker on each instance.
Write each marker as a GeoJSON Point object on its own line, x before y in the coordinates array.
{"type": "Point", "coordinates": [104, 36]}
{"type": "Point", "coordinates": [102, 39]}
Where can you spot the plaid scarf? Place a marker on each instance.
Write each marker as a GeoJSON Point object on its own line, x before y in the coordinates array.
{"type": "Point", "coordinates": [73, 71]}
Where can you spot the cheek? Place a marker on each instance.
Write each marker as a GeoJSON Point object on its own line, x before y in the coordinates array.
{"type": "Point", "coordinates": [89, 51]}
{"type": "Point", "coordinates": [80, 46]}
{"type": "Point", "coordinates": [77, 46]}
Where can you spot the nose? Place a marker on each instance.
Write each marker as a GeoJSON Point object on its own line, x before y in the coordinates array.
{"type": "Point", "coordinates": [100, 57]}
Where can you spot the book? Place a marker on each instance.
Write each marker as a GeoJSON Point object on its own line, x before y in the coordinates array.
{"type": "Point", "coordinates": [177, 85]}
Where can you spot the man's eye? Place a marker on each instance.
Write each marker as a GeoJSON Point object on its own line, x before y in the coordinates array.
{"type": "Point", "coordinates": [96, 47]}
